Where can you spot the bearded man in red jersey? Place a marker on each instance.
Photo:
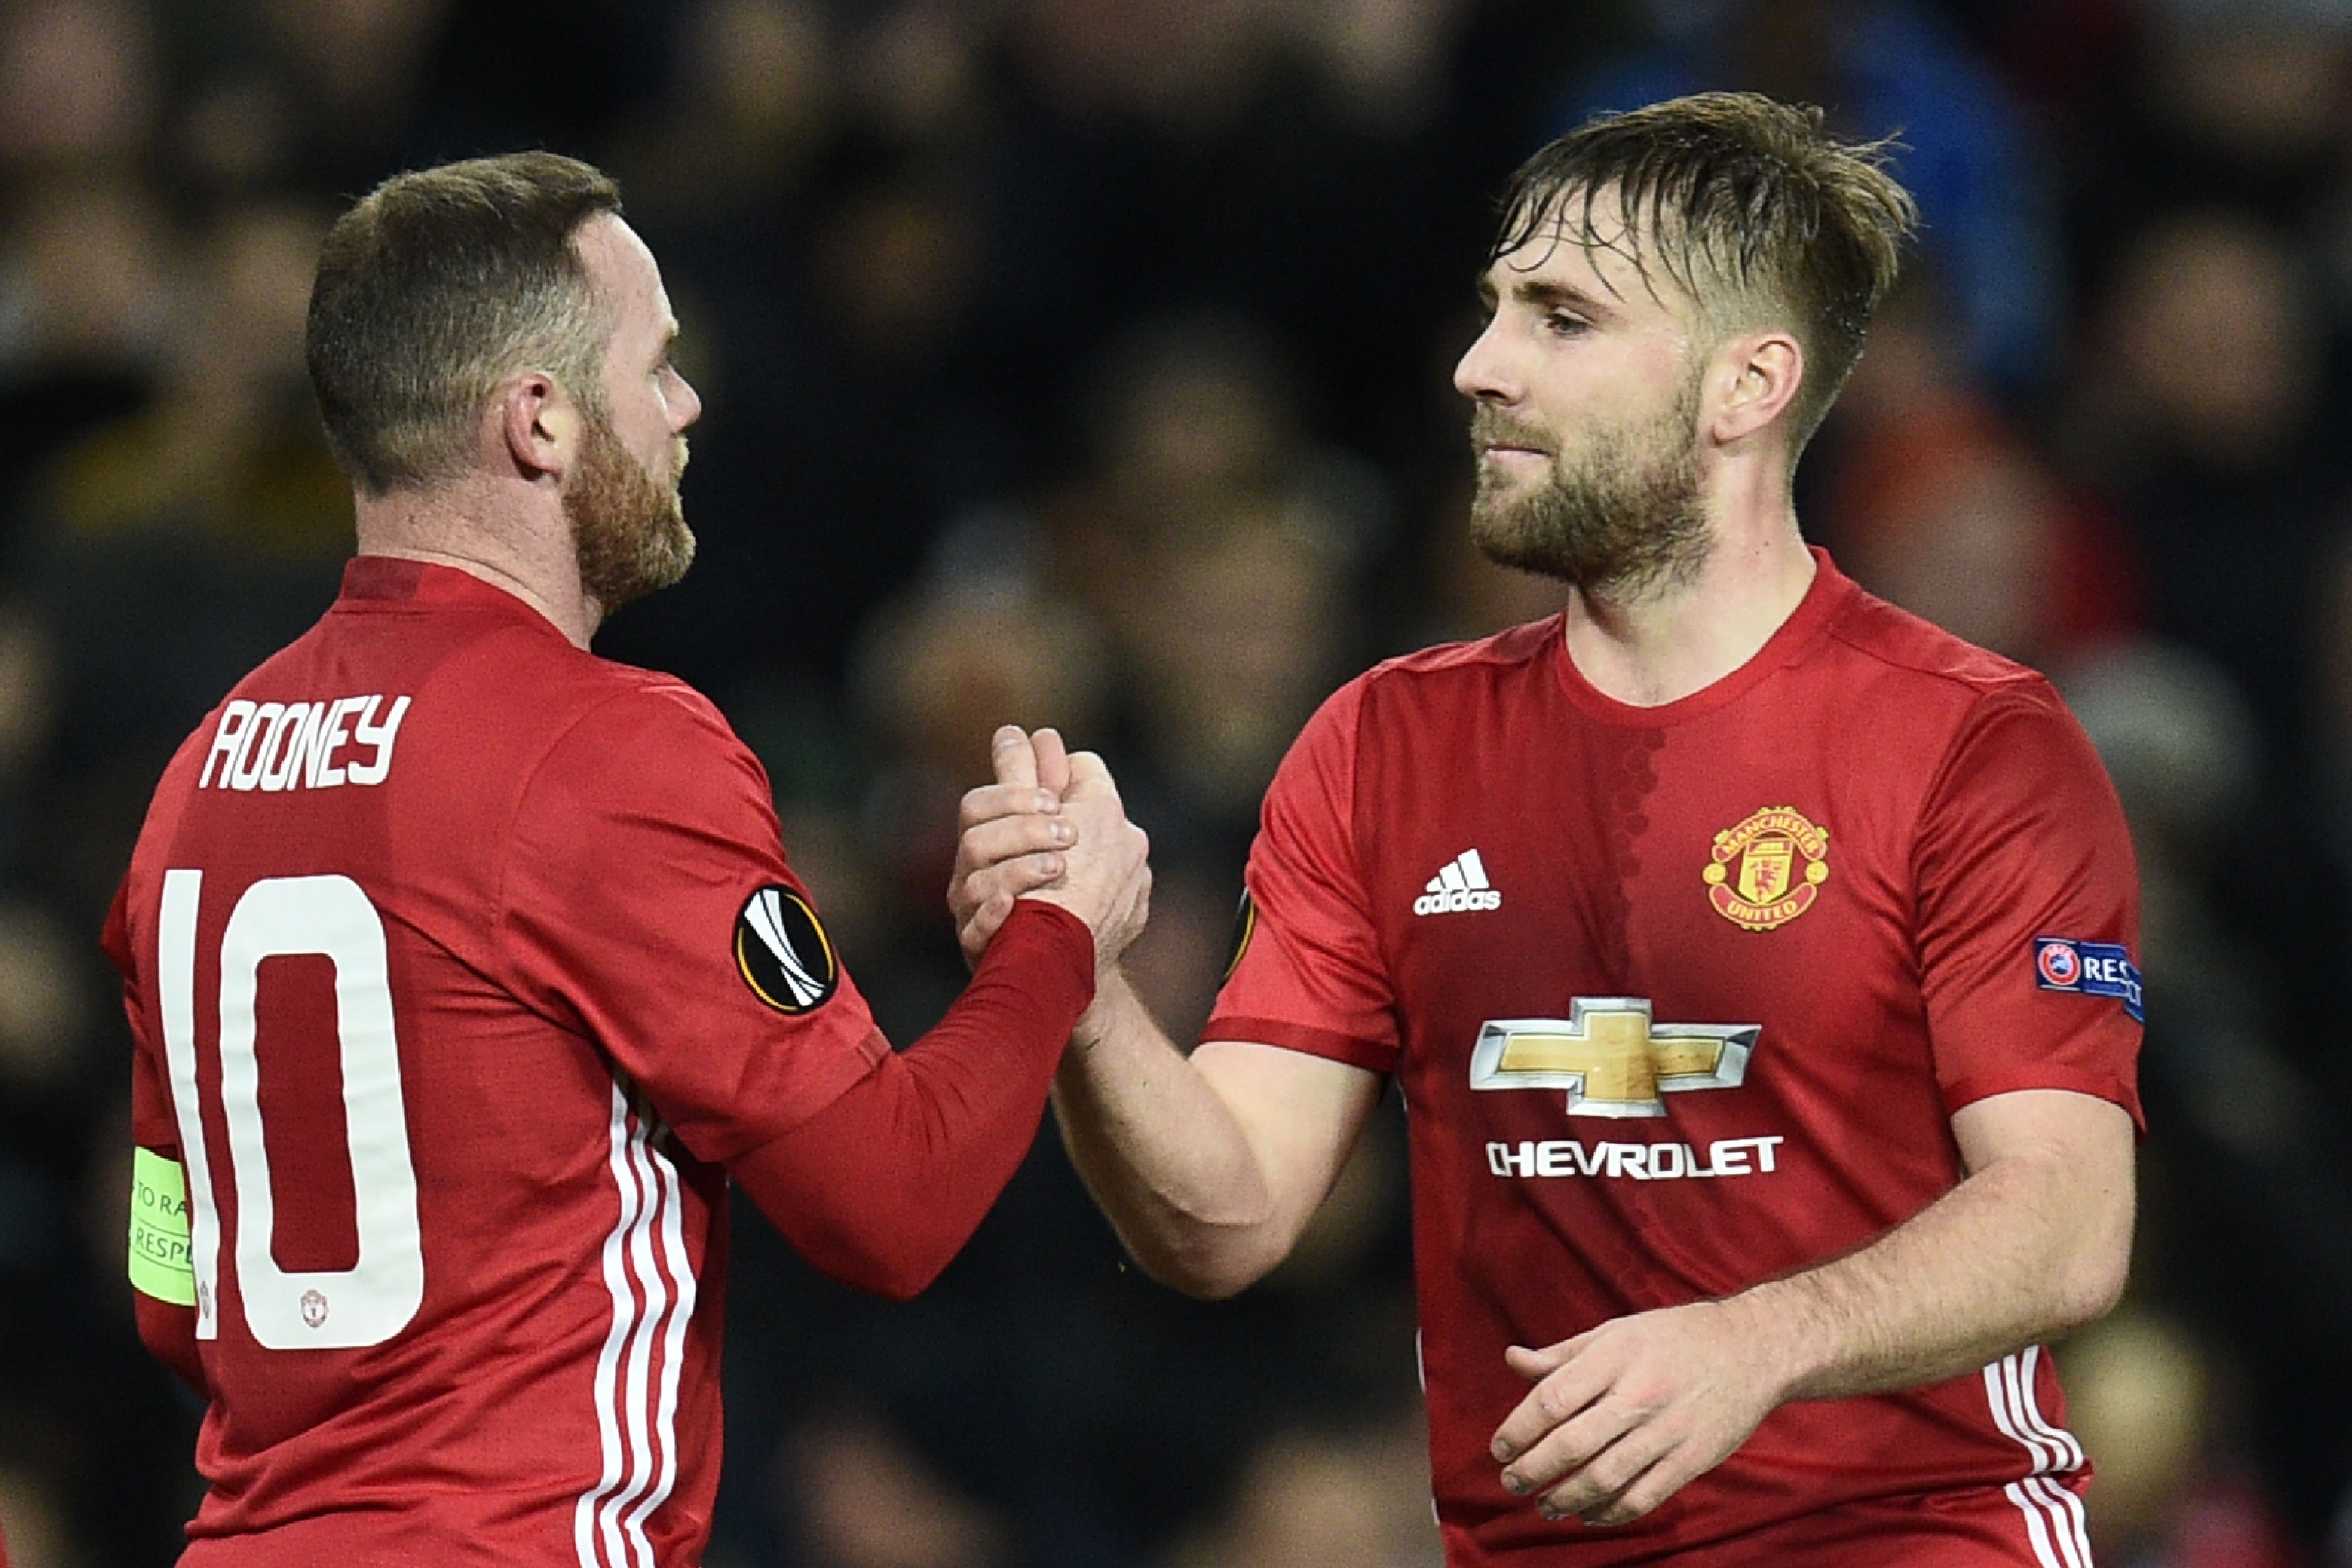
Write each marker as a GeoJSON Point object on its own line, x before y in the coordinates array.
{"type": "Point", "coordinates": [1754, 958]}
{"type": "Point", "coordinates": [466, 967]}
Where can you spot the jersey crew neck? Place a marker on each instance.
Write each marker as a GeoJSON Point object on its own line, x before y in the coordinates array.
{"type": "Point", "coordinates": [377, 583]}
{"type": "Point", "coordinates": [1829, 594]}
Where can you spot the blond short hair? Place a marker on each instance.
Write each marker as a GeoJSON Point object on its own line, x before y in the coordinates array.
{"type": "Point", "coordinates": [1749, 206]}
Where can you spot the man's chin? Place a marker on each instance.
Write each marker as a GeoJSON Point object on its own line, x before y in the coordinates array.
{"type": "Point", "coordinates": [681, 557]}
{"type": "Point", "coordinates": [1509, 541]}
{"type": "Point", "coordinates": [669, 567]}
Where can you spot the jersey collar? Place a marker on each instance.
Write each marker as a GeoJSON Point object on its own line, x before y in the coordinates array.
{"type": "Point", "coordinates": [1829, 594]}
{"type": "Point", "coordinates": [393, 582]}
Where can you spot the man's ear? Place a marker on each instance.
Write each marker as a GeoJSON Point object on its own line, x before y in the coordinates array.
{"type": "Point", "coordinates": [1757, 377]}
{"type": "Point", "coordinates": [539, 425]}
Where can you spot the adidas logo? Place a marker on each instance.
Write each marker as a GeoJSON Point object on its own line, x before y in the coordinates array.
{"type": "Point", "coordinates": [1460, 884]}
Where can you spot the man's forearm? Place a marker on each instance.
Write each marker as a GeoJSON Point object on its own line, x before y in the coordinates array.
{"type": "Point", "coordinates": [882, 1187]}
{"type": "Point", "coordinates": [2032, 1242]}
{"type": "Point", "coordinates": [2000, 1262]}
{"type": "Point", "coordinates": [1161, 1151]}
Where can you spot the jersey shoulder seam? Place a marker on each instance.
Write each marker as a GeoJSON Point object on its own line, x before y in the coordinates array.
{"type": "Point", "coordinates": [1513, 645]}
{"type": "Point", "coordinates": [625, 681]}
{"type": "Point", "coordinates": [1998, 672]}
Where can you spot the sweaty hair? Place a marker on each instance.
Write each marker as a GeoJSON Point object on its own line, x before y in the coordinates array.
{"type": "Point", "coordinates": [1747, 205]}
{"type": "Point", "coordinates": [438, 285]}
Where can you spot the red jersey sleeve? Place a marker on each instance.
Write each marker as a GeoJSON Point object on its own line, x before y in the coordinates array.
{"type": "Point", "coordinates": [153, 1124]}
{"type": "Point", "coordinates": [1308, 974]}
{"type": "Point", "coordinates": [169, 1331]}
{"type": "Point", "coordinates": [2029, 910]}
{"type": "Point", "coordinates": [647, 904]}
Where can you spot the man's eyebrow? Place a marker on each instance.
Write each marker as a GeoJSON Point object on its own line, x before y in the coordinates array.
{"type": "Point", "coordinates": [1541, 293]}
{"type": "Point", "coordinates": [1547, 295]}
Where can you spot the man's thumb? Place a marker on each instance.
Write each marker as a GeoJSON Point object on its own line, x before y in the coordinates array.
{"type": "Point", "coordinates": [1014, 757]}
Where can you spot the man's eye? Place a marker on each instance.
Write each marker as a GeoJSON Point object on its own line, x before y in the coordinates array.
{"type": "Point", "coordinates": [1567, 323]}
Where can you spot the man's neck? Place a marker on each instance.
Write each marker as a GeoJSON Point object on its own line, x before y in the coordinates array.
{"type": "Point", "coordinates": [515, 541]}
{"type": "Point", "coordinates": [1680, 637]}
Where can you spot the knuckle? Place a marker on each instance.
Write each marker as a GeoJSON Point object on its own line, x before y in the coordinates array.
{"type": "Point", "coordinates": [1544, 1464]}
{"type": "Point", "coordinates": [1610, 1474]}
{"type": "Point", "coordinates": [1568, 1498]}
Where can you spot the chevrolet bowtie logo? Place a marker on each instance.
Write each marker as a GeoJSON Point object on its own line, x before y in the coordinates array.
{"type": "Point", "coordinates": [1609, 1057]}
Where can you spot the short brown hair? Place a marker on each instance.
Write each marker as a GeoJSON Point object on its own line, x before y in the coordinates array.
{"type": "Point", "coordinates": [435, 287]}
{"type": "Point", "coordinates": [1748, 204]}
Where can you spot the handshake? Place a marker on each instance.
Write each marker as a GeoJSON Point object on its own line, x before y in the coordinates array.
{"type": "Point", "coordinates": [1051, 827]}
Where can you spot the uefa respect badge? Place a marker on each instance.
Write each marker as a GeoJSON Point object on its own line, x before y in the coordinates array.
{"type": "Point", "coordinates": [2088, 969]}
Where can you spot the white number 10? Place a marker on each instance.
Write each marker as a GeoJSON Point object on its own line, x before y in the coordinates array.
{"type": "Point", "coordinates": [375, 1298]}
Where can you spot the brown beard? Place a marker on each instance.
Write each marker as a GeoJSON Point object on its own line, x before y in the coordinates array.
{"type": "Point", "coordinates": [1621, 519]}
{"type": "Point", "coordinates": [628, 528]}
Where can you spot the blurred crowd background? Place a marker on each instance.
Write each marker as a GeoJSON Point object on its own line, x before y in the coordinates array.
{"type": "Point", "coordinates": [1086, 362]}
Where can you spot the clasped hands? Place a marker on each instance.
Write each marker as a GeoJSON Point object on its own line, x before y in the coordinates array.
{"type": "Point", "coordinates": [1051, 826]}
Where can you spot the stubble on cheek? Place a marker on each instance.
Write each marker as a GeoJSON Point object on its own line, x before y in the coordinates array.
{"type": "Point", "coordinates": [1620, 513]}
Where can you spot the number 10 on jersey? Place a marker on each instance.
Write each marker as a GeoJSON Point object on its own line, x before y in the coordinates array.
{"type": "Point", "coordinates": [293, 1309]}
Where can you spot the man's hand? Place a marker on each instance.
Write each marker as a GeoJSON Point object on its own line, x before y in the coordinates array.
{"type": "Point", "coordinates": [2033, 1242]}
{"type": "Point", "coordinates": [1011, 833]}
{"type": "Point", "coordinates": [1051, 826]}
{"type": "Point", "coordinates": [1624, 1416]}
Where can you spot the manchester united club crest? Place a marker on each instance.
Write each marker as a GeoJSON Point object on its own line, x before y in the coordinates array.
{"type": "Point", "coordinates": [1768, 870]}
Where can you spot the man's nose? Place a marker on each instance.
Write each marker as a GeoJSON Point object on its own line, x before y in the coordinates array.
{"type": "Point", "coordinates": [1484, 372]}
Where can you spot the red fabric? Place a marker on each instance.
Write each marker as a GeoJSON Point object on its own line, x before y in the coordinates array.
{"type": "Point", "coordinates": [1963, 814]}
{"type": "Point", "coordinates": [169, 1332]}
{"type": "Point", "coordinates": [552, 865]}
{"type": "Point", "coordinates": [882, 1187]}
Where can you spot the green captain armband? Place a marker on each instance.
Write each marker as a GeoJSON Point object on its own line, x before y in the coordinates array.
{"type": "Point", "coordinates": [160, 1262]}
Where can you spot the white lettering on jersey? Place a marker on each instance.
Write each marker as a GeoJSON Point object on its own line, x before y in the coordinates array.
{"type": "Point", "coordinates": [1635, 1161]}
{"type": "Point", "coordinates": [301, 745]}
{"type": "Point", "coordinates": [1460, 884]}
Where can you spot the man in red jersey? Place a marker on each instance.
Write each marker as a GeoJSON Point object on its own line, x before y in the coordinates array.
{"type": "Point", "coordinates": [466, 967]}
{"type": "Point", "coordinates": [1755, 958]}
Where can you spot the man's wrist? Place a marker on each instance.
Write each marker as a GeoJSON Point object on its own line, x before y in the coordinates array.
{"type": "Point", "coordinates": [1113, 995]}
{"type": "Point", "coordinates": [1780, 1323]}
{"type": "Point", "coordinates": [1041, 931]}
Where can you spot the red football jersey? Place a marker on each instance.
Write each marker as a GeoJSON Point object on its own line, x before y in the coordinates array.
{"type": "Point", "coordinates": [459, 960]}
{"type": "Point", "coordinates": [1681, 998]}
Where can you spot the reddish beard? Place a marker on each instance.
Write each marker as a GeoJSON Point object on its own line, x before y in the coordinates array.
{"type": "Point", "coordinates": [628, 526]}
{"type": "Point", "coordinates": [1619, 519]}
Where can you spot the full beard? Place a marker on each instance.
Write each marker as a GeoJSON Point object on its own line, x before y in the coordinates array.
{"type": "Point", "coordinates": [1620, 520]}
{"type": "Point", "coordinates": [628, 528]}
